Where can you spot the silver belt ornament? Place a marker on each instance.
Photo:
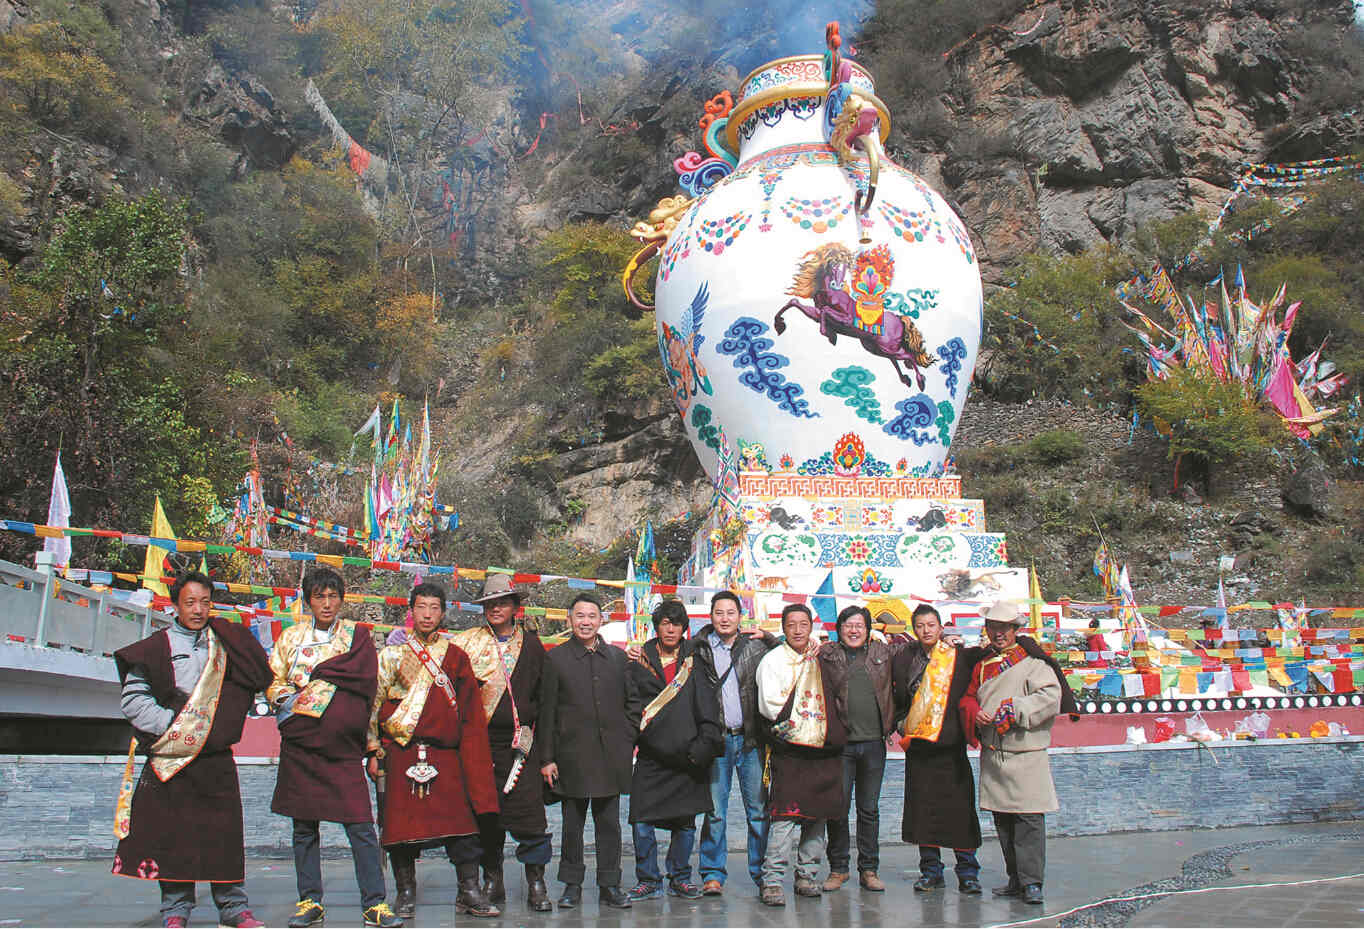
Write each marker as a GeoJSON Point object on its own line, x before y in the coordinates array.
{"type": "Point", "coordinates": [421, 774]}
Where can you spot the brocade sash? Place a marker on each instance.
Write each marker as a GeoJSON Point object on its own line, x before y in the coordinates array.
{"type": "Point", "coordinates": [666, 695]}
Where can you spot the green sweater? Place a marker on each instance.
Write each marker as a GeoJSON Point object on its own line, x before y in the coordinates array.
{"type": "Point", "coordinates": [864, 713]}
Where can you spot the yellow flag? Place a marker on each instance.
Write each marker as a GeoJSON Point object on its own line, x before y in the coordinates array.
{"type": "Point", "coordinates": [1034, 595]}
{"type": "Point", "coordinates": [154, 566]}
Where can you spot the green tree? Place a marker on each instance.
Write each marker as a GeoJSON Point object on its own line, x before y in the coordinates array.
{"type": "Point", "coordinates": [58, 83]}
{"type": "Point", "coordinates": [1210, 421]}
{"type": "Point", "coordinates": [1057, 332]}
{"type": "Point", "coordinates": [114, 273]}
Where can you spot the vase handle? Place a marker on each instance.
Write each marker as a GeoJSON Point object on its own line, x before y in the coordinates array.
{"type": "Point", "coordinates": [627, 277]}
{"type": "Point", "coordinates": [663, 219]}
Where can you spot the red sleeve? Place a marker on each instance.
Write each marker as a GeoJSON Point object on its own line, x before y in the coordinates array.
{"type": "Point", "coordinates": [968, 707]}
{"type": "Point", "coordinates": [475, 755]}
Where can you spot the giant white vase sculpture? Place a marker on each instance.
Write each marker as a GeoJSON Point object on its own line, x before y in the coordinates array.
{"type": "Point", "coordinates": [819, 315]}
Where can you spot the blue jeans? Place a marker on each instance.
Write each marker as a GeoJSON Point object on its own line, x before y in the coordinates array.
{"type": "Point", "coordinates": [930, 862]}
{"type": "Point", "coordinates": [678, 861]}
{"type": "Point", "coordinates": [864, 767]}
{"type": "Point", "coordinates": [714, 848]}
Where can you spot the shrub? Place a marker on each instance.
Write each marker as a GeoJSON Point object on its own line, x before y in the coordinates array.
{"type": "Point", "coordinates": [1001, 493]}
{"type": "Point", "coordinates": [988, 459]}
{"type": "Point", "coordinates": [1056, 446]}
{"type": "Point", "coordinates": [1057, 332]}
{"type": "Point", "coordinates": [1210, 420]}
{"type": "Point", "coordinates": [1335, 565]}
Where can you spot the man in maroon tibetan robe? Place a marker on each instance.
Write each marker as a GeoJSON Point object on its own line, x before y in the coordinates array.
{"type": "Point", "coordinates": [428, 738]}
{"type": "Point", "coordinates": [509, 662]}
{"type": "Point", "coordinates": [186, 691]}
{"type": "Point", "coordinates": [325, 675]}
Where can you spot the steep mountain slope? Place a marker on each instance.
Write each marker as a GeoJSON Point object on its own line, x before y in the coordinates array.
{"type": "Point", "coordinates": [467, 274]}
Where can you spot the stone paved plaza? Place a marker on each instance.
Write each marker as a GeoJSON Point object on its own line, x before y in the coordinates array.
{"type": "Point", "coordinates": [1080, 871]}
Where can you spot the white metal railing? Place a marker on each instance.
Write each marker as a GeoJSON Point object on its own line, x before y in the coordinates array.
{"type": "Point", "coordinates": [44, 609]}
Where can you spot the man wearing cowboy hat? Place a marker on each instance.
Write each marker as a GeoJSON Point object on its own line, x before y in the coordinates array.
{"type": "Point", "coordinates": [1008, 710]}
{"type": "Point", "coordinates": [509, 661]}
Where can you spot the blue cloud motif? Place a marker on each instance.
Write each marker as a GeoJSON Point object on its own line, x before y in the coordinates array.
{"type": "Point", "coordinates": [916, 413]}
{"type": "Point", "coordinates": [952, 353]}
{"type": "Point", "coordinates": [745, 342]}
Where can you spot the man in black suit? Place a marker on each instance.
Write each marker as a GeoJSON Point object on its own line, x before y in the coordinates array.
{"type": "Point", "coordinates": [587, 751]}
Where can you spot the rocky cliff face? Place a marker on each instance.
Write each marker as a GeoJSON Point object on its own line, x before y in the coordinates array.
{"type": "Point", "coordinates": [1105, 115]}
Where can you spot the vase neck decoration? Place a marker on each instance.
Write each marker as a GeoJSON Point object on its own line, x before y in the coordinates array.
{"type": "Point", "coordinates": [785, 102]}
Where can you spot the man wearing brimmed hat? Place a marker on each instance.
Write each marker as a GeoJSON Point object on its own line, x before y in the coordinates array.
{"type": "Point", "coordinates": [508, 661]}
{"type": "Point", "coordinates": [1008, 709]}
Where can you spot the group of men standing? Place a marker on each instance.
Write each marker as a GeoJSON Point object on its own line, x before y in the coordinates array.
{"type": "Point", "coordinates": [469, 735]}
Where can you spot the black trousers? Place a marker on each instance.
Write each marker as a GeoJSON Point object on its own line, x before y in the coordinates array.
{"type": "Point", "coordinates": [460, 849]}
{"type": "Point", "coordinates": [864, 768]}
{"type": "Point", "coordinates": [364, 849]}
{"type": "Point", "coordinates": [1023, 839]}
{"type": "Point", "coordinates": [531, 847]}
{"type": "Point", "coordinates": [606, 824]}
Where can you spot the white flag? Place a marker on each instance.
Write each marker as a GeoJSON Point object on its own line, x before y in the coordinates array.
{"type": "Point", "coordinates": [59, 514]}
{"type": "Point", "coordinates": [371, 425]}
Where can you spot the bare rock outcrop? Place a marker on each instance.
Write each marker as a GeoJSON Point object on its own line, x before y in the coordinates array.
{"type": "Point", "coordinates": [243, 113]}
{"type": "Point", "coordinates": [1120, 112]}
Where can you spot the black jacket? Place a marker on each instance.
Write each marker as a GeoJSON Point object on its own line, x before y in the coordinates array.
{"type": "Point", "coordinates": [583, 722]}
{"type": "Point", "coordinates": [672, 768]}
{"type": "Point", "coordinates": [746, 652]}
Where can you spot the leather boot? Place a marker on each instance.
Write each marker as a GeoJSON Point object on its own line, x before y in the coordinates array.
{"type": "Point", "coordinates": [405, 880]}
{"type": "Point", "coordinates": [493, 888]}
{"type": "Point", "coordinates": [472, 899]}
{"type": "Point", "coordinates": [537, 894]}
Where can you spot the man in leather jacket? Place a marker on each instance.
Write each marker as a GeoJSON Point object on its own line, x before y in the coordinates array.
{"type": "Point", "coordinates": [729, 660]}
{"type": "Point", "coordinates": [862, 665]}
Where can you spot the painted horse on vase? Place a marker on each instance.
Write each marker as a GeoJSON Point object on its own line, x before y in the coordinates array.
{"type": "Point", "coordinates": [856, 306]}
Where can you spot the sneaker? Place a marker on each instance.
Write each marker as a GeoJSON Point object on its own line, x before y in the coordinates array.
{"type": "Point", "coordinates": [712, 888]}
{"type": "Point", "coordinates": [927, 882]}
{"type": "Point", "coordinates": [772, 895]}
{"type": "Point", "coordinates": [307, 912]}
{"type": "Point", "coordinates": [381, 914]}
{"type": "Point", "coordinates": [805, 887]}
{"type": "Point", "coordinates": [684, 889]}
{"type": "Point", "coordinates": [646, 890]}
{"type": "Point", "coordinates": [175, 922]}
{"type": "Point", "coordinates": [243, 920]}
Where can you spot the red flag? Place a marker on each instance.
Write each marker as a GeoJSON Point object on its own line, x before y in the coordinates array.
{"type": "Point", "coordinates": [359, 158]}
